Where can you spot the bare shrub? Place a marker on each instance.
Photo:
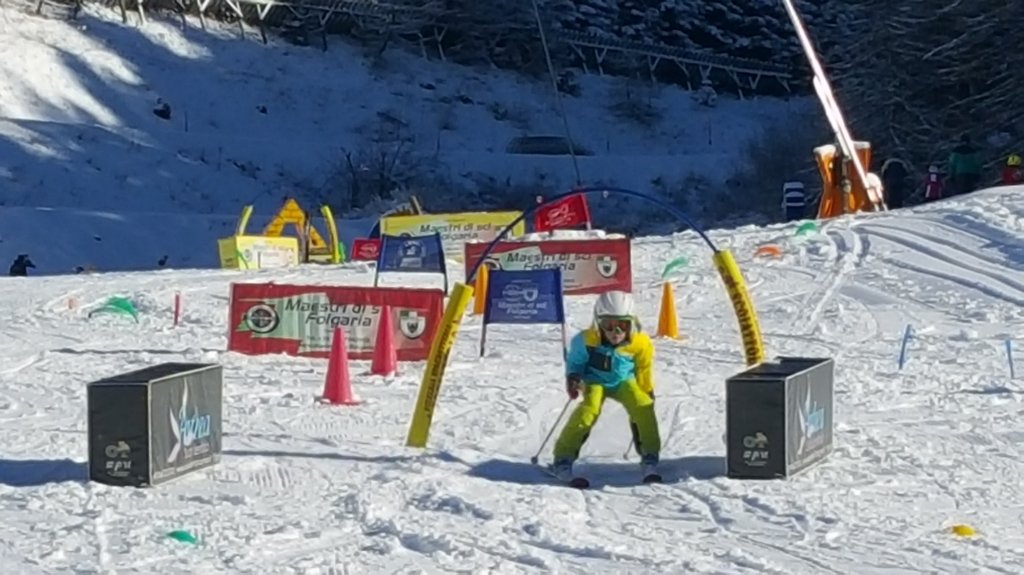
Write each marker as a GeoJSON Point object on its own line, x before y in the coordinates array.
{"type": "Point", "coordinates": [783, 150]}
{"type": "Point", "coordinates": [491, 193]}
{"type": "Point", "coordinates": [634, 101]}
{"type": "Point", "coordinates": [382, 169]}
{"type": "Point", "coordinates": [517, 116]}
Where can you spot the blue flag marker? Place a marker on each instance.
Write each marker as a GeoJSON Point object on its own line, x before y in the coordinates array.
{"type": "Point", "coordinates": [411, 254]}
{"type": "Point", "coordinates": [903, 346]}
{"type": "Point", "coordinates": [523, 297]}
{"type": "Point", "coordinates": [1009, 357]}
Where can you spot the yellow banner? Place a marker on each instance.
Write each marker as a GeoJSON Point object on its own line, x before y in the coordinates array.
{"type": "Point", "coordinates": [750, 330]}
{"type": "Point", "coordinates": [257, 252]}
{"type": "Point", "coordinates": [455, 229]}
{"type": "Point", "coordinates": [437, 362]}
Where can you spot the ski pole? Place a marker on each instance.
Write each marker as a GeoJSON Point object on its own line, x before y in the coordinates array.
{"type": "Point", "coordinates": [625, 454]}
{"type": "Point", "coordinates": [536, 456]}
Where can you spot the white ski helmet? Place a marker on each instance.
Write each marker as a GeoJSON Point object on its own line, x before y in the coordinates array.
{"type": "Point", "coordinates": [615, 304]}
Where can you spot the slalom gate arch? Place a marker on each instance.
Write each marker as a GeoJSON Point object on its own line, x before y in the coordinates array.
{"type": "Point", "coordinates": [725, 263]}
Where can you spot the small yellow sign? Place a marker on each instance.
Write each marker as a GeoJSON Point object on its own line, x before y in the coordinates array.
{"type": "Point", "coordinates": [455, 229]}
{"type": "Point", "coordinates": [291, 213]}
{"type": "Point", "coordinates": [258, 252]}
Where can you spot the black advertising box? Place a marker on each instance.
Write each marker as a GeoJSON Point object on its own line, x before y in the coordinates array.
{"type": "Point", "coordinates": [779, 417]}
{"type": "Point", "coordinates": [152, 425]}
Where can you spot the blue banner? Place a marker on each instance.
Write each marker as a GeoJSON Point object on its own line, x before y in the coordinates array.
{"type": "Point", "coordinates": [524, 296]}
{"type": "Point", "coordinates": [411, 254]}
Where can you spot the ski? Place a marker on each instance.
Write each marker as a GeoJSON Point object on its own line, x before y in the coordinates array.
{"type": "Point", "coordinates": [575, 482]}
{"type": "Point", "coordinates": [579, 483]}
{"type": "Point", "coordinates": [650, 473]}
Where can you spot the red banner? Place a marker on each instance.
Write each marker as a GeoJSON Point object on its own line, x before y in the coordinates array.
{"type": "Point", "coordinates": [366, 250]}
{"type": "Point", "coordinates": [588, 266]}
{"type": "Point", "coordinates": [567, 213]}
{"type": "Point", "coordinates": [300, 319]}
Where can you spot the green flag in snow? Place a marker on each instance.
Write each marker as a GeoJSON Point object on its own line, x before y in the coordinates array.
{"type": "Point", "coordinates": [118, 306]}
{"type": "Point", "coordinates": [673, 265]}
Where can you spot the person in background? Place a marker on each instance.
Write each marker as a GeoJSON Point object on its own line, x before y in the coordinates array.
{"type": "Point", "coordinates": [874, 188]}
{"type": "Point", "coordinates": [933, 184]}
{"type": "Point", "coordinates": [1013, 174]}
{"type": "Point", "coordinates": [794, 200]}
{"type": "Point", "coordinates": [21, 265]}
{"type": "Point", "coordinates": [964, 167]}
{"type": "Point", "coordinates": [895, 176]}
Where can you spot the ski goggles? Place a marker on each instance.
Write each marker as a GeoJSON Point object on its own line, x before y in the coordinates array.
{"type": "Point", "coordinates": [616, 324]}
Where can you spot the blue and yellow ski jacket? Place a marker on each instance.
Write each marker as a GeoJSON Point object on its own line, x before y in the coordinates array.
{"type": "Point", "coordinates": [600, 363]}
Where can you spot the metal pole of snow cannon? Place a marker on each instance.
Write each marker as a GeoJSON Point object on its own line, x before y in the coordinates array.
{"type": "Point", "coordinates": [828, 101]}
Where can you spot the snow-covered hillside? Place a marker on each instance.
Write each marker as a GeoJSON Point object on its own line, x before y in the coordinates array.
{"type": "Point", "coordinates": [58, 240]}
{"type": "Point", "coordinates": [77, 128]}
{"type": "Point", "coordinates": [311, 489]}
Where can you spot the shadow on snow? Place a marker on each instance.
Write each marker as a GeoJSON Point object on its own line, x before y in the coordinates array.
{"type": "Point", "coordinates": [600, 474]}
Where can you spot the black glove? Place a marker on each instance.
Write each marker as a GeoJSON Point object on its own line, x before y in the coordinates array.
{"type": "Point", "coordinates": [573, 385]}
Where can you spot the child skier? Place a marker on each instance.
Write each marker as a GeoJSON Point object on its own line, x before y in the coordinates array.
{"type": "Point", "coordinates": [611, 359]}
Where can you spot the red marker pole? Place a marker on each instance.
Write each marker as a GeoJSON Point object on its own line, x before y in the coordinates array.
{"type": "Point", "coordinates": [177, 308]}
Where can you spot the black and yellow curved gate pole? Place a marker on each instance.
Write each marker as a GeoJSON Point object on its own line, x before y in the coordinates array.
{"type": "Point", "coordinates": [437, 361]}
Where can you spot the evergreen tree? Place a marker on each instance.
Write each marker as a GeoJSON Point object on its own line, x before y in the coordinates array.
{"type": "Point", "coordinates": [599, 17]}
{"type": "Point", "coordinates": [912, 77]}
{"type": "Point", "coordinates": [636, 19]}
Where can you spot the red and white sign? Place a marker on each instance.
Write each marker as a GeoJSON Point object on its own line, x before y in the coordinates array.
{"type": "Point", "coordinates": [588, 266]}
{"type": "Point", "coordinates": [567, 213]}
{"type": "Point", "coordinates": [365, 249]}
{"type": "Point", "coordinates": [300, 319]}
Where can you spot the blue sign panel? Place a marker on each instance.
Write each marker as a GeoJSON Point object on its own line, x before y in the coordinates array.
{"type": "Point", "coordinates": [524, 296]}
{"type": "Point", "coordinates": [411, 254]}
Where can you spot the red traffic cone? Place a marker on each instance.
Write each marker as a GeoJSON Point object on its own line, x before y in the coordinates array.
{"type": "Point", "coordinates": [385, 356]}
{"type": "Point", "coordinates": [337, 384]}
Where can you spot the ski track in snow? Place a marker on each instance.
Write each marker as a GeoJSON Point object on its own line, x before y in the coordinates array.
{"type": "Point", "coordinates": [306, 488]}
{"type": "Point", "coordinates": [945, 259]}
{"type": "Point", "coordinates": [830, 283]}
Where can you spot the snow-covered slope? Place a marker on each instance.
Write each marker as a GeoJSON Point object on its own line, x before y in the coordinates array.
{"type": "Point", "coordinates": [254, 123]}
{"type": "Point", "coordinates": [60, 239]}
{"type": "Point", "coordinates": [304, 488]}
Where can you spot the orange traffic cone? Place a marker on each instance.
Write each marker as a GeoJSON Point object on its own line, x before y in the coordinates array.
{"type": "Point", "coordinates": [480, 289]}
{"type": "Point", "coordinates": [668, 324]}
{"type": "Point", "coordinates": [337, 384]}
{"type": "Point", "coordinates": [385, 356]}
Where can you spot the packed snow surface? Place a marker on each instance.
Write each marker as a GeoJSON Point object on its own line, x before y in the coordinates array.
{"type": "Point", "coordinates": [307, 488]}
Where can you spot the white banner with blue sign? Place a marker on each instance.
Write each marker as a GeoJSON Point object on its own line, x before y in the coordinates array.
{"type": "Point", "coordinates": [523, 297]}
{"type": "Point", "coordinates": [411, 254]}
